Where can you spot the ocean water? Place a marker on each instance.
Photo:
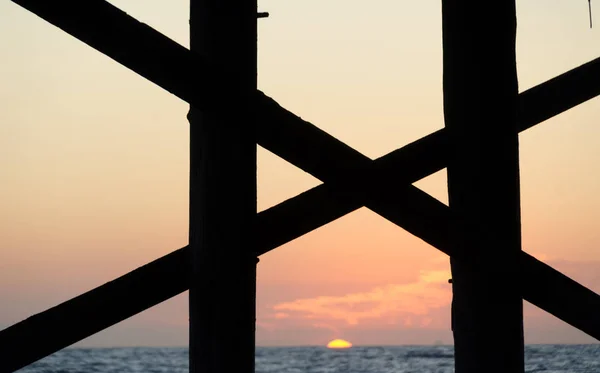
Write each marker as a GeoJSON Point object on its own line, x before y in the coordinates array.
{"type": "Point", "coordinates": [401, 359]}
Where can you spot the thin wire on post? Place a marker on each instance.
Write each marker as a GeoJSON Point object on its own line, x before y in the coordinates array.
{"type": "Point", "coordinates": [590, 11]}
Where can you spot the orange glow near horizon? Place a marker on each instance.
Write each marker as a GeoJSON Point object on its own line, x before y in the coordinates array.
{"type": "Point", "coordinates": [339, 344]}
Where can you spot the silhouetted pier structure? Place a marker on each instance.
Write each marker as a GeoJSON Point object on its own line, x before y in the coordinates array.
{"type": "Point", "coordinates": [480, 230]}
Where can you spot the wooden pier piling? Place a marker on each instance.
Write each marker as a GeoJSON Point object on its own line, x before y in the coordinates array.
{"type": "Point", "coordinates": [223, 193]}
{"type": "Point", "coordinates": [480, 110]}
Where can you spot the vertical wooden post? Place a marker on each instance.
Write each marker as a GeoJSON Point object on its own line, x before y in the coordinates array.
{"type": "Point", "coordinates": [223, 195]}
{"type": "Point", "coordinates": [480, 106]}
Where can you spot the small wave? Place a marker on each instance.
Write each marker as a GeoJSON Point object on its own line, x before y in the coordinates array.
{"type": "Point", "coordinates": [429, 355]}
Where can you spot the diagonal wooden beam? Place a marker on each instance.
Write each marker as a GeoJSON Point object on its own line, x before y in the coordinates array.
{"type": "Point", "coordinates": [78, 318]}
{"type": "Point", "coordinates": [47, 332]}
{"type": "Point", "coordinates": [166, 277]}
{"type": "Point", "coordinates": [434, 222]}
{"type": "Point", "coordinates": [381, 186]}
{"type": "Point", "coordinates": [133, 44]}
{"type": "Point", "coordinates": [169, 65]}
{"type": "Point", "coordinates": [87, 314]}
{"type": "Point", "coordinates": [431, 220]}
{"type": "Point", "coordinates": [559, 94]}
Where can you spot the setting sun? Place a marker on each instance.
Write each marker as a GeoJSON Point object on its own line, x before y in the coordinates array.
{"type": "Point", "coordinates": [339, 343]}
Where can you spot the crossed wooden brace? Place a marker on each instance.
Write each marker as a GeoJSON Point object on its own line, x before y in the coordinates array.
{"type": "Point", "coordinates": [351, 180]}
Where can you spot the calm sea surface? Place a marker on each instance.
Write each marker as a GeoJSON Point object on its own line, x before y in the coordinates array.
{"type": "Point", "coordinates": [421, 359]}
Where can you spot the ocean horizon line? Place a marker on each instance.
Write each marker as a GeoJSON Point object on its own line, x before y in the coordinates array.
{"type": "Point", "coordinates": [320, 346]}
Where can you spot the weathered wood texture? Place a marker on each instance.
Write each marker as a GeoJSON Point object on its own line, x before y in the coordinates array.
{"type": "Point", "coordinates": [223, 192]}
{"type": "Point", "coordinates": [480, 108]}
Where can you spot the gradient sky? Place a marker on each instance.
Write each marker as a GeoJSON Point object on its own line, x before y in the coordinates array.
{"type": "Point", "coordinates": [94, 169]}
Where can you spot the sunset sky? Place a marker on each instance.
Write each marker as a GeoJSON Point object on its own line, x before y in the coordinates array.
{"type": "Point", "coordinates": [94, 169]}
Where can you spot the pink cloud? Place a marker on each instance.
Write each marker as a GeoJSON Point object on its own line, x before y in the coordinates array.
{"type": "Point", "coordinates": [413, 312]}
{"type": "Point", "coordinates": [395, 304]}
